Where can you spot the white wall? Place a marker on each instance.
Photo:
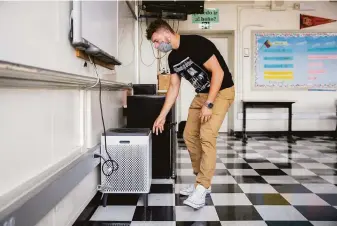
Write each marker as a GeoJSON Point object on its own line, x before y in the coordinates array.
{"type": "Point", "coordinates": [239, 18]}
{"type": "Point", "coordinates": [44, 127]}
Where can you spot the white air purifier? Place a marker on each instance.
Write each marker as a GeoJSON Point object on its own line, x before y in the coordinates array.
{"type": "Point", "coordinates": [131, 152]}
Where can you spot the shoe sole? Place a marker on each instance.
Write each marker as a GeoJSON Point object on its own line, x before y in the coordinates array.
{"type": "Point", "coordinates": [187, 194]}
{"type": "Point", "coordinates": [193, 205]}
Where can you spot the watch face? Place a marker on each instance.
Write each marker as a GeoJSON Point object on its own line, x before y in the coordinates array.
{"type": "Point", "coordinates": [210, 105]}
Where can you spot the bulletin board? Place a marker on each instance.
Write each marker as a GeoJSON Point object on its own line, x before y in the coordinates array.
{"type": "Point", "coordinates": [295, 60]}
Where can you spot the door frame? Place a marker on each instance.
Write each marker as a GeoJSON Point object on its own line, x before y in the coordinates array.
{"type": "Point", "coordinates": [230, 35]}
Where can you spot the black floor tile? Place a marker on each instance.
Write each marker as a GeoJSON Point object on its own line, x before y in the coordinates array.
{"type": "Point", "coordinates": [228, 155]}
{"type": "Point", "coordinates": [325, 172]}
{"type": "Point", "coordinates": [270, 172]}
{"type": "Point", "coordinates": [318, 213]}
{"type": "Point", "coordinates": [267, 199]}
{"type": "Point", "coordinates": [290, 188]}
{"type": "Point", "coordinates": [250, 180]}
{"type": "Point", "coordinates": [256, 160]}
{"type": "Point", "coordinates": [226, 188]}
{"type": "Point", "coordinates": [122, 199]}
{"type": "Point", "coordinates": [218, 160]}
{"type": "Point", "coordinates": [103, 223]}
{"type": "Point", "coordinates": [237, 166]}
{"type": "Point", "coordinates": [154, 213]}
{"type": "Point", "coordinates": [331, 165]}
{"type": "Point", "coordinates": [237, 213]}
{"type": "Point", "coordinates": [329, 198]}
{"type": "Point", "coordinates": [161, 188]}
{"type": "Point", "coordinates": [310, 179]}
{"type": "Point", "coordinates": [185, 179]}
{"type": "Point", "coordinates": [305, 160]}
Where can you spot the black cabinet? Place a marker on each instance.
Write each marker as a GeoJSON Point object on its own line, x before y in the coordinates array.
{"type": "Point", "coordinates": [142, 111]}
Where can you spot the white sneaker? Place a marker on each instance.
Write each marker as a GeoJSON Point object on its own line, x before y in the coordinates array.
{"type": "Point", "coordinates": [188, 190]}
{"type": "Point", "coordinates": [197, 199]}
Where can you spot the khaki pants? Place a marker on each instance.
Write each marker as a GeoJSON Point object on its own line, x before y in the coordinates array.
{"type": "Point", "coordinates": [200, 138]}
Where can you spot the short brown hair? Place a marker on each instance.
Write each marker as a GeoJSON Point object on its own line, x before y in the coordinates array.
{"type": "Point", "coordinates": [156, 25]}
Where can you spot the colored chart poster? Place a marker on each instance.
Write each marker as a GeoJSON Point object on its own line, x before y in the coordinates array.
{"type": "Point", "coordinates": [295, 60]}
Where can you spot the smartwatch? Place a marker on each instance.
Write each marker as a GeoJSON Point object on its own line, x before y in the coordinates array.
{"type": "Point", "coordinates": [209, 105]}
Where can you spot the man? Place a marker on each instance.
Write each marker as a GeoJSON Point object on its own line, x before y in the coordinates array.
{"type": "Point", "coordinates": [198, 60]}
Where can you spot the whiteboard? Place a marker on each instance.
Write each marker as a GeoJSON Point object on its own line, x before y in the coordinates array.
{"type": "Point", "coordinates": [294, 60]}
{"type": "Point", "coordinates": [96, 23]}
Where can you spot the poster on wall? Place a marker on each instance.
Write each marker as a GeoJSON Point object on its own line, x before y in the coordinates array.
{"type": "Point", "coordinates": [295, 60]}
{"type": "Point", "coordinates": [210, 15]}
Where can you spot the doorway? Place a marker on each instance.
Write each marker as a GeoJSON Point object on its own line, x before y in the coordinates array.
{"type": "Point", "coordinates": [225, 43]}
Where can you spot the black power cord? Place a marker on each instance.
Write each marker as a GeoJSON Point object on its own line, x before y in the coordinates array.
{"type": "Point", "coordinates": [109, 165]}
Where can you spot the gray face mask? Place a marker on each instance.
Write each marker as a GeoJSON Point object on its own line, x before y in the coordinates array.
{"type": "Point", "coordinates": [165, 47]}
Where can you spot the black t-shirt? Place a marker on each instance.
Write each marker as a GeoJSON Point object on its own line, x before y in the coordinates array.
{"type": "Point", "coordinates": [188, 61]}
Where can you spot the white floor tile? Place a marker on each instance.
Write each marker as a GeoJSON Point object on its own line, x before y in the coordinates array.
{"type": "Point", "coordinates": [162, 181]}
{"type": "Point", "coordinates": [223, 180]}
{"type": "Point", "coordinates": [113, 213]}
{"type": "Point", "coordinates": [299, 172]}
{"type": "Point", "coordinates": [314, 166]}
{"type": "Point", "coordinates": [331, 179]}
{"type": "Point", "coordinates": [280, 160]}
{"type": "Point", "coordinates": [280, 180]}
{"type": "Point", "coordinates": [324, 223]}
{"type": "Point", "coordinates": [185, 172]}
{"type": "Point", "coordinates": [243, 172]}
{"type": "Point", "coordinates": [263, 165]}
{"type": "Point", "coordinates": [295, 156]}
{"type": "Point", "coordinates": [159, 200]}
{"type": "Point", "coordinates": [183, 160]}
{"type": "Point", "coordinates": [220, 166]}
{"type": "Point", "coordinates": [232, 160]}
{"type": "Point", "coordinates": [153, 223]}
{"type": "Point", "coordinates": [186, 213]}
{"type": "Point", "coordinates": [278, 213]}
{"type": "Point", "coordinates": [304, 199]}
{"type": "Point", "coordinates": [322, 188]}
{"type": "Point", "coordinates": [325, 160]}
{"type": "Point", "coordinates": [230, 199]}
{"type": "Point", "coordinates": [251, 156]}
{"type": "Point", "coordinates": [225, 151]}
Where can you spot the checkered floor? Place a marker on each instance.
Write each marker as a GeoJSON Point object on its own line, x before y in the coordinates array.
{"type": "Point", "coordinates": [265, 182]}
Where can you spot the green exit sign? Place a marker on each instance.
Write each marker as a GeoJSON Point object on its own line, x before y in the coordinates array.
{"type": "Point", "coordinates": [209, 15]}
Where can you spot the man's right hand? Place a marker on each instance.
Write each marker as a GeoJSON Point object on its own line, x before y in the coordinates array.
{"type": "Point", "coordinates": [159, 125]}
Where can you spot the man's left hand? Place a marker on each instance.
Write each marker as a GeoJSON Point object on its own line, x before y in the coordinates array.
{"type": "Point", "coordinates": [205, 114]}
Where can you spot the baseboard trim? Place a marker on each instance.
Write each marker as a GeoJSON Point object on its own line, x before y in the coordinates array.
{"type": "Point", "coordinates": [35, 208]}
{"type": "Point", "coordinates": [284, 133]}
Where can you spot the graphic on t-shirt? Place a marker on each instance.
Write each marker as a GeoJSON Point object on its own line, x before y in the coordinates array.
{"type": "Point", "coordinates": [193, 73]}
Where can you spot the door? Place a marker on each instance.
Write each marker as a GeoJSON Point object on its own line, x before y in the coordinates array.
{"type": "Point", "coordinates": [187, 92]}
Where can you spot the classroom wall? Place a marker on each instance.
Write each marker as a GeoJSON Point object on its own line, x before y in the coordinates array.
{"type": "Point", "coordinates": [44, 128]}
{"type": "Point", "coordinates": [311, 107]}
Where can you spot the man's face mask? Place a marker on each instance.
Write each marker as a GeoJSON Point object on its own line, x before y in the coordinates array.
{"type": "Point", "coordinates": [165, 47]}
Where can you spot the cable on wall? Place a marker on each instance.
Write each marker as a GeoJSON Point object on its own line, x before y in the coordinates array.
{"type": "Point", "coordinates": [109, 165]}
